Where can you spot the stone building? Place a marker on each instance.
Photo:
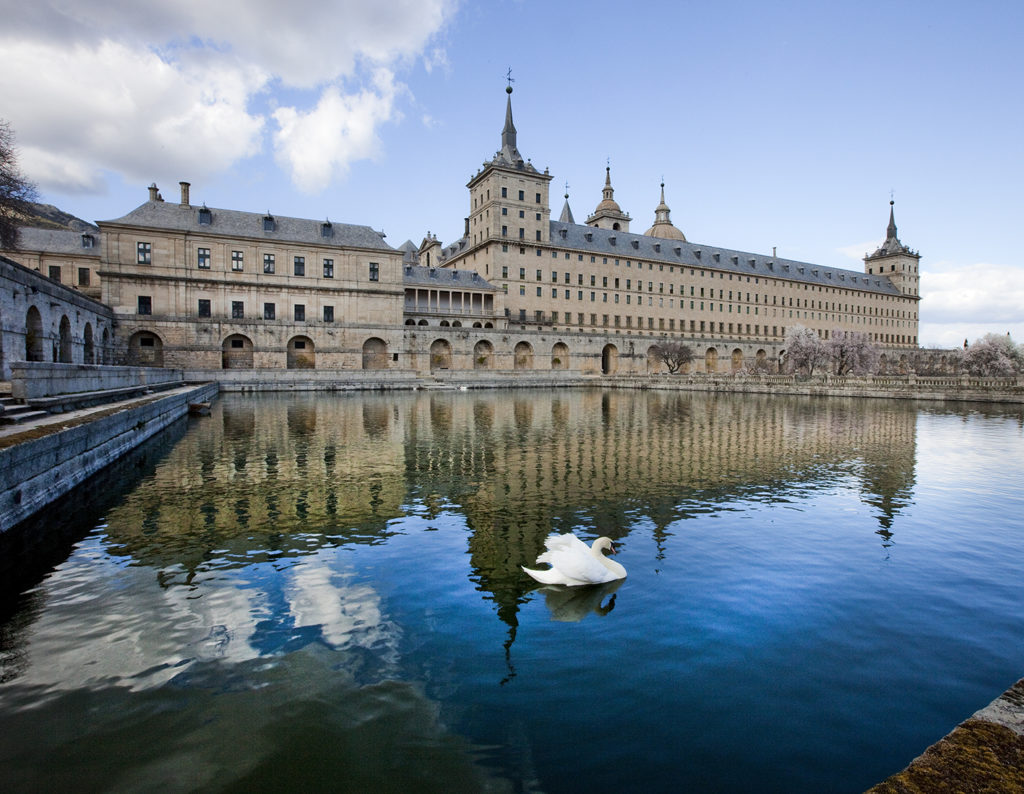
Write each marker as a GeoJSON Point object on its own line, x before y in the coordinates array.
{"type": "Point", "coordinates": [601, 278]}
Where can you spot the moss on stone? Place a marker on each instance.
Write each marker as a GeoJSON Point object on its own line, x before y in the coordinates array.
{"type": "Point", "coordinates": [977, 757]}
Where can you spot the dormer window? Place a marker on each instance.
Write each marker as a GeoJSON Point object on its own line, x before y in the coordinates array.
{"type": "Point", "coordinates": [326, 229]}
{"type": "Point", "coordinates": [717, 257]}
{"type": "Point", "coordinates": [268, 223]}
{"type": "Point", "coordinates": [679, 250]}
{"type": "Point", "coordinates": [735, 260]}
{"type": "Point", "coordinates": [635, 244]}
{"type": "Point", "coordinates": [753, 263]}
{"type": "Point", "coordinates": [611, 240]}
{"type": "Point", "coordinates": [657, 248]}
{"type": "Point", "coordinates": [88, 241]}
{"type": "Point", "coordinates": [205, 216]}
{"type": "Point", "coordinates": [589, 236]}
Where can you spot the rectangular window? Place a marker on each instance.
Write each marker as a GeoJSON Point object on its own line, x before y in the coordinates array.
{"type": "Point", "coordinates": [374, 271]}
{"type": "Point", "coordinates": [521, 195]}
{"type": "Point", "coordinates": [237, 261]}
{"type": "Point", "coordinates": [203, 258]}
{"type": "Point", "coordinates": [554, 292]}
{"type": "Point", "coordinates": [237, 310]}
{"type": "Point", "coordinates": [145, 253]}
{"type": "Point", "coordinates": [268, 263]}
{"type": "Point", "coordinates": [204, 307]}
{"type": "Point", "coordinates": [504, 271]}
{"type": "Point", "coordinates": [269, 311]}
{"type": "Point", "coordinates": [83, 277]}
{"type": "Point", "coordinates": [504, 192]}
{"type": "Point", "coordinates": [328, 314]}
{"type": "Point", "coordinates": [300, 312]}
{"type": "Point", "coordinates": [299, 266]}
{"type": "Point", "coordinates": [538, 292]}
{"type": "Point", "coordinates": [537, 201]}
{"type": "Point", "coordinates": [504, 231]}
{"type": "Point", "coordinates": [145, 304]}
{"type": "Point", "coordinates": [328, 268]}
{"type": "Point", "coordinates": [54, 271]}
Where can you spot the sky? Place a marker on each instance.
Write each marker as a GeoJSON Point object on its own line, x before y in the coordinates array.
{"type": "Point", "coordinates": [786, 125]}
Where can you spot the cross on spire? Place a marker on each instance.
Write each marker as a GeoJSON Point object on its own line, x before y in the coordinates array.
{"type": "Point", "coordinates": [508, 76]}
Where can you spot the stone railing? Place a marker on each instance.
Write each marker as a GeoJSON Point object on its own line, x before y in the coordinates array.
{"type": "Point", "coordinates": [35, 380]}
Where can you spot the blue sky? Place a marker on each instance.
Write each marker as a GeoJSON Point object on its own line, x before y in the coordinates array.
{"type": "Point", "coordinates": [782, 124]}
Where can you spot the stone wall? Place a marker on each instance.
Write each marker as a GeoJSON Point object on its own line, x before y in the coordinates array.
{"type": "Point", "coordinates": [31, 379]}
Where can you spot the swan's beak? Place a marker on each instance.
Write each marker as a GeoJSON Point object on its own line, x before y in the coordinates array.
{"type": "Point", "coordinates": [611, 549]}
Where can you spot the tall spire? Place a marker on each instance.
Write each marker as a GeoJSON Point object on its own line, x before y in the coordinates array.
{"type": "Point", "coordinates": [566, 216]}
{"type": "Point", "coordinates": [508, 134]}
{"type": "Point", "coordinates": [891, 231]}
{"type": "Point", "coordinates": [663, 227]}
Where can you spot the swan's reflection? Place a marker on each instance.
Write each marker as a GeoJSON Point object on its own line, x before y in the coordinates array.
{"type": "Point", "coordinates": [571, 604]}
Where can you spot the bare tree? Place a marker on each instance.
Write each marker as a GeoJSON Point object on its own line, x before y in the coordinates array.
{"type": "Point", "coordinates": [851, 351]}
{"type": "Point", "coordinates": [16, 192]}
{"type": "Point", "coordinates": [675, 355]}
{"type": "Point", "coordinates": [993, 355]}
{"type": "Point", "coordinates": [804, 350]}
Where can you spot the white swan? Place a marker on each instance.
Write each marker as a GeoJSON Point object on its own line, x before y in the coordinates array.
{"type": "Point", "coordinates": [573, 562]}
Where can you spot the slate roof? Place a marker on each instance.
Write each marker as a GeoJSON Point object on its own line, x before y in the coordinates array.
{"type": "Point", "coordinates": [445, 278]}
{"type": "Point", "coordinates": [625, 245]}
{"type": "Point", "coordinates": [234, 223]}
{"type": "Point", "coordinates": [59, 241]}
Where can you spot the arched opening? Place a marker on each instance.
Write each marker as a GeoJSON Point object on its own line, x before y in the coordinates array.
{"type": "Point", "coordinates": [654, 363]}
{"type": "Point", "coordinates": [410, 321]}
{"type": "Point", "coordinates": [236, 352]}
{"type": "Point", "coordinates": [440, 355]}
{"type": "Point", "coordinates": [456, 323]}
{"type": "Point", "coordinates": [523, 356]}
{"type": "Point", "coordinates": [33, 335]}
{"type": "Point", "coordinates": [560, 356]}
{"type": "Point", "coordinates": [64, 349]}
{"type": "Point", "coordinates": [375, 353]}
{"type": "Point", "coordinates": [483, 355]}
{"type": "Point", "coordinates": [88, 348]}
{"type": "Point", "coordinates": [301, 353]}
{"type": "Point", "coordinates": [761, 361]}
{"type": "Point", "coordinates": [883, 364]}
{"type": "Point", "coordinates": [105, 350]}
{"type": "Point", "coordinates": [711, 360]}
{"type": "Point", "coordinates": [477, 324]}
{"type": "Point", "coordinates": [444, 323]}
{"type": "Point", "coordinates": [488, 325]}
{"type": "Point", "coordinates": [737, 360]}
{"type": "Point", "coordinates": [422, 322]}
{"type": "Point", "coordinates": [609, 360]}
{"type": "Point", "coordinates": [145, 349]}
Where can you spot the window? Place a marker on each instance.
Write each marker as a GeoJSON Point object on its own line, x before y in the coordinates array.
{"type": "Point", "coordinates": [538, 235]}
{"type": "Point", "coordinates": [504, 231]}
{"type": "Point", "coordinates": [204, 307]}
{"type": "Point", "coordinates": [268, 263]}
{"type": "Point", "coordinates": [504, 210]}
{"type": "Point", "coordinates": [328, 268]}
{"type": "Point", "coordinates": [83, 277]}
{"type": "Point", "coordinates": [269, 311]}
{"type": "Point", "coordinates": [299, 264]}
{"type": "Point", "coordinates": [374, 271]}
{"type": "Point", "coordinates": [203, 258]}
{"type": "Point", "coordinates": [205, 216]}
{"type": "Point", "coordinates": [237, 261]}
{"type": "Point", "coordinates": [504, 192]}
{"type": "Point", "coordinates": [522, 234]}
{"type": "Point", "coordinates": [538, 199]}
{"type": "Point", "coordinates": [268, 223]}
{"type": "Point", "coordinates": [504, 271]}
{"type": "Point", "coordinates": [326, 230]}
{"type": "Point", "coordinates": [145, 304]}
{"type": "Point", "coordinates": [538, 292]}
{"type": "Point", "coordinates": [237, 310]}
{"type": "Point", "coordinates": [55, 272]}
{"type": "Point", "coordinates": [328, 314]}
{"type": "Point", "coordinates": [522, 196]}
{"type": "Point", "coordinates": [300, 312]}
{"type": "Point", "coordinates": [145, 253]}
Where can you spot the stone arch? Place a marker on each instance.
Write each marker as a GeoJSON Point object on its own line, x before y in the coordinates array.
{"type": "Point", "coordinates": [64, 344]}
{"type": "Point", "coordinates": [761, 360]}
{"type": "Point", "coordinates": [301, 353]}
{"type": "Point", "coordinates": [883, 364]}
{"type": "Point", "coordinates": [711, 360]}
{"type": "Point", "coordinates": [33, 335]}
{"type": "Point", "coordinates": [410, 321]}
{"type": "Point", "coordinates": [422, 322]}
{"type": "Point", "coordinates": [560, 356]}
{"type": "Point", "coordinates": [609, 360]}
{"type": "Point", "coordinates": [145, 349]}
{"type": "Point", "coordinates": [440, 354]}
{"type": "Point", "coordinates": [737, 360]}
{"type": "Point", "coordinates": [488, 324]}
{"type": "Point", "coordinates": [236, 352]}
{"type": "Point", "coordinates": [456, 323]}
{"type": "Point", "coordinates": [444, 323]}
{"type": "Point", "coordinates": [523, 355]}
{"type": "Point", "coordinates": [653, 361]}
{"type": "Point", "coordinates": [89, 347]}
{"type": "Point", "coordinates": [375, 353]}
{"type": "Point", "coordinates": [483, 355]}
{"type": "Point", "coordinates": [904, 366]}
{"type": "Point", "coordinates": [477, 324]}
{"type": "Point", "coordinates": [105, 347]}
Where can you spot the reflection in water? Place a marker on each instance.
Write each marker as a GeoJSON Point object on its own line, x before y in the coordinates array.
{"type": "Point", "coordinates": [572, 604]}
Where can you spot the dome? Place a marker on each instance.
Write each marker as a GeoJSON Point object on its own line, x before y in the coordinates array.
{"type": "Point", "coordinates": [663, 227]}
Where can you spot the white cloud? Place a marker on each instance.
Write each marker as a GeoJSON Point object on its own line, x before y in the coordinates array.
{"type": "Point", "coordinates": [164, 90]}
{"type": "Point", "coordinates": [858, 250]}
{"type": "Point", "coordinates": [959, 302]}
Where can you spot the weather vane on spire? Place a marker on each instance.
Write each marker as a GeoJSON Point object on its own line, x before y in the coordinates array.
{"type": "Point", "coordinates": [508, 76]}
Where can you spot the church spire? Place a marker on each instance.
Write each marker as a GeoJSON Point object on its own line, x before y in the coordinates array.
{"type": "Point", "coordinates": [890, 232]}
{"type": "Point", "coordinates": [508, 134]}
{"type": "Point", "coordinates": [566, 216]}
{"type": "Point", "coordinates": [663, 227]}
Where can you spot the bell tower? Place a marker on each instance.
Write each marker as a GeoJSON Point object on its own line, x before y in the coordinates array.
{"type": "Point", "coordinates": [895, 261]}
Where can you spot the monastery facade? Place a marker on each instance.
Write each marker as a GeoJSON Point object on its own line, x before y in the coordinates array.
{"type": "Point", "coordinates": [196, 287]}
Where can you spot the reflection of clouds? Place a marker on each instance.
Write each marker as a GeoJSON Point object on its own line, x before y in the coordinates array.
{"type": "Point", "coordinates": [348, 613]}
{"type": "Point", "coordinates": [140, 634]}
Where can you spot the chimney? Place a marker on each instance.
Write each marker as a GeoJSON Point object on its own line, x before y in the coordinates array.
{"type": "Point", "coordinates": [184, 193]}
{"type": "Point", "coordinates": [153, 192]}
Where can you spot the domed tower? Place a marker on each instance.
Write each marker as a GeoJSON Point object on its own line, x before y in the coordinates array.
{"type": "Point", "coordinates": [663, 227]}
{"type": "Point", "coordinates": [895, 261]}
{"type": "Point", "coordinates": [609, 214]}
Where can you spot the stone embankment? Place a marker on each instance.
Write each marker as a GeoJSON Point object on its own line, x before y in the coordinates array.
{"type": "Point", "coordinates": [43, 459]}
{"type": "Point", "coordinates": [983, 753]}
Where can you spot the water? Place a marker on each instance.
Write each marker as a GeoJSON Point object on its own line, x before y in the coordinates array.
{"type": "Point", "coordinates": [324, 593]}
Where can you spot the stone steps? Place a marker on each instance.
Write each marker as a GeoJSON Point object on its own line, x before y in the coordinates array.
{"type": "Point", "coordinates": [13, 412]}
